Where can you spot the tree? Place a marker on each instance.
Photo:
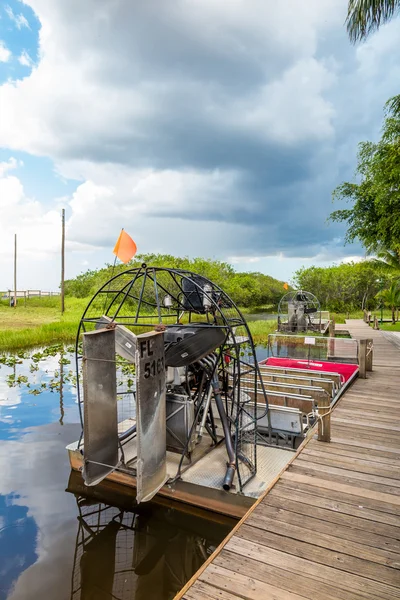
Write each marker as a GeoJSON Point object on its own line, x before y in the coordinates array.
{"type": "Point", "coordinates": [246, 289]}
{"type": "Point", "coordinates": [388, 261]}
{"type": "Point", "coordinates": [366, 16]}
{"type": "Point", "coordinates": [391, 298]}
{"type": "Point", "coordinates": [374, 218]}
{"type": "Point", "coordinates": [344, 287]}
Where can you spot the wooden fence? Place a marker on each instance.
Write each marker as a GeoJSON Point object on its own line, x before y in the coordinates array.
{"type": "Point", "coordinates": [26, 294]}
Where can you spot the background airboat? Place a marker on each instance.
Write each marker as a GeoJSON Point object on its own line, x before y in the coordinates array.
{"type": "Point", "coordinates": [173, 400]}
{"type": "Point", "coordinates": [300, 311]}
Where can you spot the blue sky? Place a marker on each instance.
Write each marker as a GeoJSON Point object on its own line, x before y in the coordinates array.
{"type": "Point", "coordinates": [200, 129]}
{"type": "Point", "coordinates": [19, 33]}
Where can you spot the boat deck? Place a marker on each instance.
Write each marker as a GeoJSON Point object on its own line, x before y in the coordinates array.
{"type": "Point", "coordinates": [330, 526]}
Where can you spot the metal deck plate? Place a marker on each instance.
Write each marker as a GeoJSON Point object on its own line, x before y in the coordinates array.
{"type": "Point", "coordinates": [210, 470]}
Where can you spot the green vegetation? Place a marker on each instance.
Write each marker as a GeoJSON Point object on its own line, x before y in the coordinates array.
{"type": "Point", "coordinates": [391, 299]}
{"type": "Point", "coordinates": [374, 217]}
{"type": "Point", "coordinates": [366, 16]}
{"type": "Point", "coordinates": [345, 287]}
{"type": "Point", "coordinates": [39, 323]}
{"type": "Point", "coordinates": [260, 330]}
{"type": "Point", "coordinates": [389, 326]}
{"type": "Point", "coordinates": [246, 289]}
{"type": "Point", "coordinates": [42, 328]}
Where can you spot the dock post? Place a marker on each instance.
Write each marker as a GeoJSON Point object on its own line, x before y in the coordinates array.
{"type": "Point", "coordinates": [376, 322]}
{"type": "Point", "coordinates": [362, 358]}
{"type": "Point", "coordinates": [332, 328]}
{"type": "Point", "coordinates": [324, 420]}
{"type": "Point", "coordinates": [369, 355]}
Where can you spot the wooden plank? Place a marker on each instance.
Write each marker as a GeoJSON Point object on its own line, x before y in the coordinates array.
{"type": "Point", "coordinates": [331, 536]}
{"type": "Point", "coordinates": [366, 588]}
{"type": "Point", "coordinates": [372, 426]}
{"type": "Point", "coordinates": [318, 471]}
{"type": "Point", "coordinates": [384, 502]}
{"type": "Point", "coordinates": [247, 587]}
{"type": "Point", "coordinates": [312, 471]}
{"type": "Point", "coordinates": [367, 413]}
{"type": "Point", "coordinates": [219, 549]}
{"type": "Point", "coordinates": [361, 435]}
{"type": "Point", "coordinates": [341, 514]}
{"type": "Point", "coordinates": [330, 528]}
{"type": "Point", "coordinates": [367, 427]}
{"type": "Point", "coordinates": [307, 587]}
{"type": "Point", "coordinates": [361, 404]}
{"type": "Point", "coordinates": [330, 558]}
{"type": "Point", "coordinates": [204, 591]}
{"type": "Point", "coordinates": [367, 416]}
{"type": "Point", "coordinates": [384, 400]}
{"type": "Point", "coordinates": [352, 464]}
{"type": "Point", "coordinates": [371, 402]}
{"type": "Point", "coordinates": [339, 439]}
{"type": "Point", "coordinates": [347, 449]}
{"type": "Point", "coordinates": [346, 503]}
{"type": "Point", "coordinates": [333, 451]}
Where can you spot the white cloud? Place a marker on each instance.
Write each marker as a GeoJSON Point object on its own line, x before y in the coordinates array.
{"type": "Point", "coordinates": [8, 165]}
{"type": "Point", "coordinates": [24, 59]}
{"type": "Point", "coordinates": [199, 129]}
{"type": "Point", "coordinates": [270, 46]}
{"type": "Point", "coordinates": [237, 260]}
{"type": "Point", "coordinates": [19, 20]}
{"type": "Point", "coordinates": [5, 53]}
{"type": "Point", "coordinates": [37, 228]}
{"type": "Point", "coordinates": [152, 205]}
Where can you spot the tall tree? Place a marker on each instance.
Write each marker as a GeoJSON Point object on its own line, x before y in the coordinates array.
{"type": "Point", "coordinates": [344, 287]}
{"type": "Point", "coordinates": [388, 261]}
{"type": "Point", "coordinates": [366, 16]}
{"type": "Point", "coordinates": [374, 218]}
{"type": "Point", "coordinates": [391, 298]}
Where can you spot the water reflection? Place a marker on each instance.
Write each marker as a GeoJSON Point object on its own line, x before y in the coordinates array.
{"type": "Point", "coordinates": [77, 545]}
{"type": "Point", "coordinates": [18, 533]}
{"type": "Point", "coordinates": [36, 390]}
{"type": "Point", "coordinates": [149, 553]}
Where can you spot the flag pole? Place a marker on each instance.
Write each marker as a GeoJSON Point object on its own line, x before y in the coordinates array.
{"type": "Point", "coordinates": [62, 259]}
{"type": "Point", "coordinates": [15, 270]}
{"type": "Point", "coordinates": [113, 268]}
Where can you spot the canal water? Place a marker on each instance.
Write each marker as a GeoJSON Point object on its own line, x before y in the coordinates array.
{"type": "Point", "coordinates": [56, 542]}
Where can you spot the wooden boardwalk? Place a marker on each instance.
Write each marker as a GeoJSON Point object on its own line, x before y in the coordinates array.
{"type": "Point", "coordinates": [330, 527]}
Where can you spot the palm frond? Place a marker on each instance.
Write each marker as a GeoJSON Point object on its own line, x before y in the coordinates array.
{"type": "Point", "coordinates": [392, 107]}
{"type": "Point", "coordinates": [365, 16]}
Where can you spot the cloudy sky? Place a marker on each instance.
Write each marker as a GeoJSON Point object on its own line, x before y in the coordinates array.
{"type": "Point", "coordinates": [203, 127]}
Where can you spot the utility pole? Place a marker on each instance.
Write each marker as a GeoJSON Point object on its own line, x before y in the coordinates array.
{"type": "Point", "coordinates": [62, 258]}
{"type": "Point", "coordinates": [15, 270]}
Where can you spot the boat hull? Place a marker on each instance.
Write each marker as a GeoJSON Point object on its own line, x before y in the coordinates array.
{"type": "Point", "coordinates": [219, 501]}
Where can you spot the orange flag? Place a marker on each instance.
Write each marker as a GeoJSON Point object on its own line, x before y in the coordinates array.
{"type": "Point", "coordinates": [285, 286]}
{"type": "Point", "coordinates": [125, 248]}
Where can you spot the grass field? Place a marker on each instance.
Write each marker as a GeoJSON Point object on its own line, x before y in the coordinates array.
{"type": "Point", "coordinates": [390, 326]}
{"type": "Point", "coordinates": [39, 323]}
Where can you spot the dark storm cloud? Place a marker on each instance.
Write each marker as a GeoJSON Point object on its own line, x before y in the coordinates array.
{"type": "Point", "coordinates": [259, 89]}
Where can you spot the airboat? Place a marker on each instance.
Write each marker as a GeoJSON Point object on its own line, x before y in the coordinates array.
{"type": "Point", "coordinates": [173, 401]}
{"type": "Point", "coordinates": [300, 311]}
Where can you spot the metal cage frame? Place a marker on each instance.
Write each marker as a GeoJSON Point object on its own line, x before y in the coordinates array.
{"type": "Point", "coordinates": [299, 299]}
{"type": "Point", "coordinates": [133, 298]}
